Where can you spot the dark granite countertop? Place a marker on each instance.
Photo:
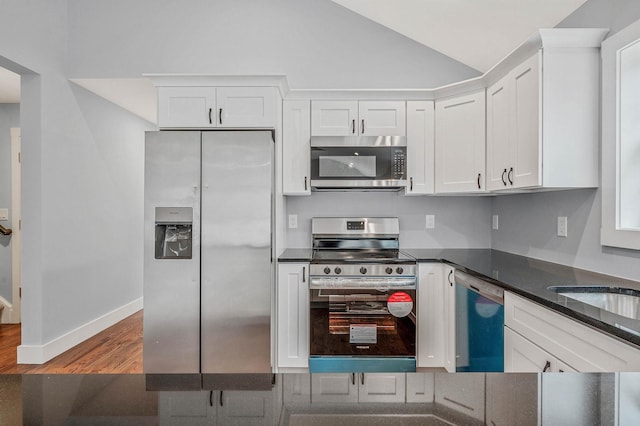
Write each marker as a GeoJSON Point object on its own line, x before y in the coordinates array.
{"type": "Point", "coordinates": [529, 278]}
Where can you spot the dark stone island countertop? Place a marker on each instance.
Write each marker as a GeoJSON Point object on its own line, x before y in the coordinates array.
{"type": "Point", "coordinates": [529, 278]}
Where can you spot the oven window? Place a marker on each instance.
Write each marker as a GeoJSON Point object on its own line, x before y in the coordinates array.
{"type": "Point", "coordinates": [358, 323]}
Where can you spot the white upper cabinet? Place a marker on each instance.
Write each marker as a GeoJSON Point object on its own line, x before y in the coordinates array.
{"type": "Point", "coordinates": [353, 118]}
{"type": "Point", "coordinates": [185, 107]}
{"type": "Point", "coordinates": [460, 144]}
{"type": "Point", "coordinates": [513, 128]}
{"type": "Point", "coordinates": [296, 148]}
{"type": "Point", "coordinates": [543, 115]}
{"type": "Point", "coordinates": [420, 147]}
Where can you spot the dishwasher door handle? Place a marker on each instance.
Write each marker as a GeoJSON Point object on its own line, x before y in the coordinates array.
{"type": "Point", "coordinates": [490, 291]}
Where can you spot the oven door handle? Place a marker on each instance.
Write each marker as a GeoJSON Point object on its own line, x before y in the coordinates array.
{"type": "Point", "coordinates": [382, 284]}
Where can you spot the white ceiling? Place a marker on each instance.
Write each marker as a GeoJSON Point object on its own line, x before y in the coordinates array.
{"type": "Point", "coordinates": [478, 33]}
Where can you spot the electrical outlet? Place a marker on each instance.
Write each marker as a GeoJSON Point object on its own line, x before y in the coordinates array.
{"type": "Point", "coordinates": [430, 221]}
{"type": "Point", "coordinates": [4, 214]}
{"type": "Point", "coordinates": [293, 221]}
{"type": "Point", "coordinates": [495, 222]}
{"type": "Point", "coordinates": [562, 226]}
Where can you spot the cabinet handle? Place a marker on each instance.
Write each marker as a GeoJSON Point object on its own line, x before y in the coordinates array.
{"type": "Point", "coordinates": [353, 126]}
{"type": "Point", "coordinates": [362, 378]}
{"type": "Point", "coordinates": [504, 172]}
{"type": "Point", "coordinates": [210, 111]}
{"type": "Point", "coordinates": [411, 184]}
{"type": "Point", "coordinates": [449, 278]}
{"type": "Point", "coordinates": [510, 176]}
{"type": "Point", "coordinates": [353, 379]}
{"type": "Point", "coordinates": [305, 183]}
{"type": "Point", "coordinates": [220, 115]}
{"type": "Point", "coordinates": [362, 128]}
{"type": "Point", "coordinates": [478, 180]}
{"type": "Point", "coordinates": [304, 272]}
{"type": "Point", "coordinates": [561, 371]}
{"type": "Point", "coordinates": [211, 398]}
{"type": "Point", "coordinates": [221, 403]}
{"type": "Point", "coordinates": [547, 366]}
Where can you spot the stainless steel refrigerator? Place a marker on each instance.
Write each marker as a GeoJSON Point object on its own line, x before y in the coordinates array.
{"type": "Point", "coordinates": [208, 269]}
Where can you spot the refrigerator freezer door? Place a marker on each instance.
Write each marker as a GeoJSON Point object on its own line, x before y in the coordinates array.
{"type": "Point", "coordinates": [237, 176]}
{"type": "Point", "coordinates": [171, 285]}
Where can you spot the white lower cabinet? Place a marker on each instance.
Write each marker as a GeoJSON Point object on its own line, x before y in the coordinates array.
{"type": "Point", "coordinates": [420, 387]}
{"type": "Point", "coordinates": [449, 320]}
{"type": "Point", "coordinates": [570, 344]}
{"type": "Point", "coordinates": [246, 408]}
{"type": "Point", "coordinates": [185, 408]}
{"type": "Point", "coordinates": [293, 315]}
{"type": "Point", "coordinates": [358, 387]}
{"type": "Point", "coordinates": [431, 325]}
{"type": "Point", "coordinates": [470, 402]}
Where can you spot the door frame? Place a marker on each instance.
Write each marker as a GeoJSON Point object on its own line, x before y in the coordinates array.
{"type": "Point", "coordinates": [16, 225]}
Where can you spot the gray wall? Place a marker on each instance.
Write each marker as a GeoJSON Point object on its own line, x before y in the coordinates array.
{"type": "Point", "coordinates": [460, 221]}
{"type": "Point", "coordinates": [315, 43]}
{"type": "Point", "coordinates": [9, 117]}
{"type": "Point", "coordinates": [528, 222]}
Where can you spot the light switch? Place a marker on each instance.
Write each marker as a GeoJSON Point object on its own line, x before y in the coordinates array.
{"type": "Point", "coordinates": [562, 226]}
{"type": "Point", "coordinates": [495, 221]}
{"type": "Point", "coordinates": [4, 214]}
{"type": "Point", "coordinates": [430, 221]}
{"type": "Point", "coordinates": [293, 221]}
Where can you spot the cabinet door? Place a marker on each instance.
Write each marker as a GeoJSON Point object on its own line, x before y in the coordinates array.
{"type": "Point", "coordinates": [382, 118]}
{"type": "Point", "coordinates": [498, 150]}
{"type": "Point", "coordinates": [449, 321]}
{"type": "Point", "coordinates": [470, 402]}
{"type": "Point", "coordinates": [334, 118]}
{"type": "Point", "coordinates": [186, 107]}
{"type": "Point", "coordinates": [460, 144]}
{"type": "Point", "coordinates": [431, 315]}
{"type": "Point", "coordinates": [420, 147]}
{"type": "Point", "coordinates": [246, 408]}
{"type": "Point", "coordinates": [382, 387]}
{"type": "Point", "coordinates": [246, 107]}
{"type": "Point", "coordinates": [296, 150]}
{"type": "Point", "coordinates": [293, 315]}
{"type": "Point", "coordinates": [186, 408]}
{"type": "Point", "coordinates": [525, 130]}
{"type": "Point", "coordinates": [334, 387]}
{"type": "Point", "coordinates": [522, 356]}
{"type": "Point", "coordinates": [420, 387]}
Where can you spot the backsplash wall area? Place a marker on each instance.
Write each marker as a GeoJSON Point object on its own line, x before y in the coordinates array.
{"type": "Point", "coordinates": [460, 222]}
{"type": "Point", "coordinates": [528, 226]}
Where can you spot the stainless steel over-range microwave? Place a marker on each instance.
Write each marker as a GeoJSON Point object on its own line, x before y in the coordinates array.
{"type": "Point", "coordinates": [358, 162]}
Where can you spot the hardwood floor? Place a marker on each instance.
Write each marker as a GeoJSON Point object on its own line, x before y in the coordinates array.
{"type": "Point", "coordinates": [116, 350]}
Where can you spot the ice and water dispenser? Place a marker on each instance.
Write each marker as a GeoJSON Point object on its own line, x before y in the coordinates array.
{"type": "Point", "coordinates": [174, 227]}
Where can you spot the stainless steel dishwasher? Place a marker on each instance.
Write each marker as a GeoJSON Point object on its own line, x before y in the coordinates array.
{"type": "Point", "coordinates": [479, 324]}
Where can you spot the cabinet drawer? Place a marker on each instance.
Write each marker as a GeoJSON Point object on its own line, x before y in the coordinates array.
{"type": "Point", "coordinates": [578, 345]}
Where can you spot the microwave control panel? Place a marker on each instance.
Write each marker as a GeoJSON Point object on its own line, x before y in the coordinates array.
{"type": "Point", "coordinates": [399, 164]}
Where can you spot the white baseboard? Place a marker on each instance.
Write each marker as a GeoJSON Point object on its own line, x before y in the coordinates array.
{"type": "Point", "coordinates": [39, 354]}
{"type": "Point", "coordinates": [7, 312]}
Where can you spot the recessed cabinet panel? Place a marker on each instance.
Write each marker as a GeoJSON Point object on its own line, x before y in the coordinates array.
{"type": "Point", "coordinates": [334, 118]}
{"type": "Point", "coordinates": [186, 107]}
{"type": "Point", "coordinates": [522, 356]}
{"type": "Point", "coordinates": [382, 387]}
{"type": "Point", "coordinates": [296, 148]}
{"type": "Point", "coordinates": [293, 315]}
{"type": "Point", "coordinates": [420, 147]}
{"type": "Point", "coordinates": [460, 144]}
{"type": "Point", "coordinates": [382, 118]}
{"type": "Point", "coordinates": [431, 315]}
{"type": "Point", "coordinates": [498, 139]}
{"type": "Point", "coordinates": [246, 107]}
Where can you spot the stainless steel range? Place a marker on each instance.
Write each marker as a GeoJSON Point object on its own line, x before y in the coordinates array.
{"type": "Point", "coordinates": [362, 293]}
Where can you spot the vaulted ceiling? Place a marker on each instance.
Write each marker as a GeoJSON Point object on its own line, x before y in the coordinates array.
{"type": "Point", "coordinates": [478, 33]}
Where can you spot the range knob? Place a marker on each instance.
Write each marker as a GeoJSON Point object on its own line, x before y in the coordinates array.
{"type": "Point", "coordinates": [363, 270]}
{"type": "Point", "coordinates": [327, 270]}
{"type": "Point", "coordinates": [337, 270]}
{"type": "Point", "coordinates": [389, 270]}
{"type": "Point", "coordinates": [399, 269]}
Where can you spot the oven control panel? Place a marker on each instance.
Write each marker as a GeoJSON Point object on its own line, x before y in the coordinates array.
{"type": "Point", "coordinates": [368, 269]}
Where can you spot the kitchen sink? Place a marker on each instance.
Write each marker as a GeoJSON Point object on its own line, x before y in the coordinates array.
{"type": "Point", "coordinates": [620, 301]}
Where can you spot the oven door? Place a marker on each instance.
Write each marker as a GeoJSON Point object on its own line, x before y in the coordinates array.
{"type": "Point", "coordinates": [362, 328]}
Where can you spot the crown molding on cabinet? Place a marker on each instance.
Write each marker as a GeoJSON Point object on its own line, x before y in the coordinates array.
{"type": "Point", "coordinates": [184, 80]}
